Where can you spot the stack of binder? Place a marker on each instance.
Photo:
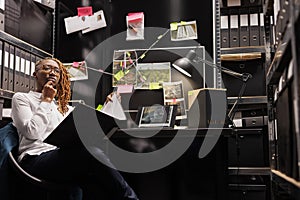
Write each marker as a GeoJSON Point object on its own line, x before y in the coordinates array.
{"type": "Point", "coordinates": [17, 69]}
{"type": "Point", "coordinates": [242, 30]}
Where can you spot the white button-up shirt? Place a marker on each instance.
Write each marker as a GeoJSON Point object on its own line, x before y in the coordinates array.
{"type": "Point", "coordinates": [34, 120]}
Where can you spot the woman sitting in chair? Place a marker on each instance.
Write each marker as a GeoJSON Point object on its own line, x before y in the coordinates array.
{"type": "Point", "coordinates": [35, 115]}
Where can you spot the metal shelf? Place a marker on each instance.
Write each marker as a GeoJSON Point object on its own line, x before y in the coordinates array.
{"type": "Point", "coordinates": [7, 94]}
{"type": "Point", "coordinates": [248, 100]}
{"type": "Point", "coordinates": [23, 45]}
{"type": "Point", "coordinates": [246, 49]}
{"type": "Point", "coordinates": [249, 170]}
{"type": "Point", "coordinates": [279, 64]}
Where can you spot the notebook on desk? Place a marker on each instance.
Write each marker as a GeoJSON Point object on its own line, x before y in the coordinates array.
{"type": "Point", "coordinates": [66, 135]}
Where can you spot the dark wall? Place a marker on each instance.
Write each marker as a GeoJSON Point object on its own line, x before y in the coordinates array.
{"type": "Point", "coordinates": [158, 14]}
{"type": "Point", "coordinates": [30, 22]}
{"type": "Point", "coordinates": [75, 46]}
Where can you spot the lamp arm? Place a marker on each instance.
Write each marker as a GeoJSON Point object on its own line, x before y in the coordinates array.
{"type": "Point", "coordinates": [242, 76]}
{"type": "Point", "coordinates": [232, 111]}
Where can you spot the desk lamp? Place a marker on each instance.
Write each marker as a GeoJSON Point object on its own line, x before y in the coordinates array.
{"type": "Point", "coordinates": [186, 64]}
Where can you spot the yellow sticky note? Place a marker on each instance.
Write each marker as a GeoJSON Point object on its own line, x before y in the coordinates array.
{"type": "Point", "coordinates": [154, 86]}
{"type": "Point", "coordinates": [99, 107]}
{"type": "Point", "coordinates": [173, 26]}
{"type": "Point", "coordinates": [119, 75]}
{"type": "Point", "coordinates": [183, 23]}
{"type": "Point", "coordinates": [126, 72]}
{"type": "Point", "coordinates": [142, 56]}
{"type": "Point", "coordinates": [190, 93]}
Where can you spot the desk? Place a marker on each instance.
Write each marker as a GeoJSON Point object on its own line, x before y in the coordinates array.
{"type": "Point", "coordinates": [188, 177]}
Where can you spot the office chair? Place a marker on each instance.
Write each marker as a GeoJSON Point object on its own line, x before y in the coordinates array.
{"type": "Point", "coordinates": [52, 191]}
{"type": "Point", "coordinates": [49, 190]}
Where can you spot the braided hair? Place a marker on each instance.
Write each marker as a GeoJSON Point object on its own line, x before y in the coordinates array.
{"type": "Point", "coordinates": [63, 87]}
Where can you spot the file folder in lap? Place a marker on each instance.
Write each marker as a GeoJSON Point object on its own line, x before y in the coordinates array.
{"type": "Point", "coordinates": [68, 133]}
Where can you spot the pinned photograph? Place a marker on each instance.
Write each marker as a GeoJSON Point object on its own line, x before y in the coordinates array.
{"type": "Point", "coordinates": [77, 70]}
{"type": "Point", "coordinates": [96, 21]}
{"type": "Point", "coordinates": [135, 26]}
{"type": "Point", "coordinates": [183, 31]}
{"type": "Point", "coordinates": [173, 95]}
{"type": "Point", "coordinates": [156, 116]}
{"type": "Point", "coordinates": [152, 74]}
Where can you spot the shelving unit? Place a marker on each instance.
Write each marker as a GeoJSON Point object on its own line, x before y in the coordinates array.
{"type": "Point", "coordinates": [248, 178]}
{"type": "Point", "coordinates": [282, 79]}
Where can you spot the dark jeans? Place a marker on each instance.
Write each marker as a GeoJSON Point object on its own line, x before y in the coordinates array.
{"type": "Point", "coordinates": [78, 167]}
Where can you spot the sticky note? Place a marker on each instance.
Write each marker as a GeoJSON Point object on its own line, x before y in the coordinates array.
{"type": "Point", "coordinates": [75, 64]}
{"type": "Point", "coordinates": [85, 11]}
{"type": "Point", "coordinates": [142, 56]}
{"type": "Point", "coordinates": [190, 93]}
{"type": "Point", "coordinates": [124, 89]}
{"type": "Point", "coordinates": [135, 17]}
{"type": "Point", "coordinates": [119, 75]}
{"type": "Point", "coordinates": [173, 26]}
{"type": "Point", "coordinates": [154, 86]}
{"type": "Point", "coordinates": [99, 107]}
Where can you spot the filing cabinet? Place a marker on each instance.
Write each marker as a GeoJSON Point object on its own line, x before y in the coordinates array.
{"type": "Point", "coordinates": [247, 148]}
{"type": "Point", "coordinates": [247, 192]}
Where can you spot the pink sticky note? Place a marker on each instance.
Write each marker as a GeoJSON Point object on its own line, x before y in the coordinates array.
{"type": "Point", "coordinates": [135, 17]}
{"type": "Point", "coordinates": [75, 64]}
{"type": "Point", "coordinates": [124, 89]}
{"type": "Point", "coordinates": [85, 11]}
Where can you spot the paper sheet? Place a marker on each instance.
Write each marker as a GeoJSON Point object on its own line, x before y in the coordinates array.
{"type": "Point", "coordinates": [125, 89]}
{"type": "Point", "coordinates": [114, 109]}
{"type": "Point", "coordinates": [76, 23]}
{"type": "Point", "coordinates": [135, 26]}
{"type": "Point", "coordinates": [96, 21]}
{"type": "Point", "coordinates": [2, 4]}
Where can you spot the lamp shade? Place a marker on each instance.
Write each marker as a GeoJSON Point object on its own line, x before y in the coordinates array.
{"type": "Point", "coordinates": [185, 65]}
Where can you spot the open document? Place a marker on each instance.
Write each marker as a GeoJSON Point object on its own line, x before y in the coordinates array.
{"type": "Point", "coordinates": [114, 108]}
